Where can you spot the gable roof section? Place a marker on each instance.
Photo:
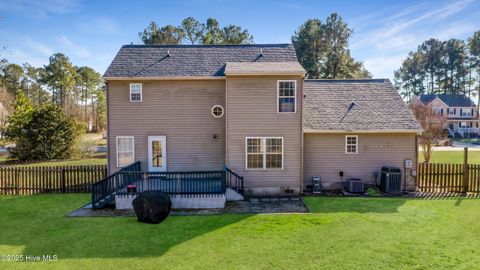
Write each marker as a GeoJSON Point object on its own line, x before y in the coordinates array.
{"type": "Point", "coordinates": [149, 61]}
{"type": "Point", "coordinates": [264, 68]}
{"type": "Point", "coordinates": [355, 105]}
{"type": "Point", "coordinates": [449, 100]}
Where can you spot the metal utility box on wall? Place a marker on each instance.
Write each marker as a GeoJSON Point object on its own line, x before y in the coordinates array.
{"type": "Point", "coordinates": [355, 185]}
{"type": "Point", "coordinates": [391, 180]}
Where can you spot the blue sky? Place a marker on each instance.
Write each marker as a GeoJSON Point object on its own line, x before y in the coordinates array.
{"type": "Point", "coordinates": [91, 32]}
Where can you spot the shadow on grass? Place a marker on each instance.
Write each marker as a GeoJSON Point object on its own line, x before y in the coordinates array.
{"type": "Point", "coordinates": [37, 223]}
{"type": "Point", "coordinates": [458, 197]}
{"type": "Point", "coordinates": [353, 204]}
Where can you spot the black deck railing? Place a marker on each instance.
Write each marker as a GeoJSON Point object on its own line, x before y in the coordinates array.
{"type": "Point", "coordinates": [233, 180]}
{"type": "Point", "coordinates": [131, 180]}
{"type": "Point", "coordinates": [103, 192]}
{"type": "Point", "coordinates": [202, 182]}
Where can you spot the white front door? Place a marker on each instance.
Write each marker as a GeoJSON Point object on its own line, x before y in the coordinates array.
{"type": "Point", "coordinates": [157, 153]}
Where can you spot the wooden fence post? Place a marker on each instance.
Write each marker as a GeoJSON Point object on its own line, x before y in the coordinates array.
{"type": "Point", "coordinates": [62, 179]}
{"type": "Point", "coordinates": [15, 175]}
{"type": "Point", "coordinates": [465, 170]}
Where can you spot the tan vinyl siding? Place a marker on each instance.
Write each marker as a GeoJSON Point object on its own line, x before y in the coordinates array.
{"type": "Point", "coordinates": [252, 112]}
{"type": "Point", "coordinates": [179, 110]}
{"type": "Point", "coordinates": [324, 156]}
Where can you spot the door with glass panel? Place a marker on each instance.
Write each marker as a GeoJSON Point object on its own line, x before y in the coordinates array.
{"type": "Point", "coordinates": [157, 153]}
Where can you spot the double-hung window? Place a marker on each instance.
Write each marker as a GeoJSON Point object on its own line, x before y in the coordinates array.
{"type": "Point", "coordinates": [286, 96]}
{"type": "Point", "coordinates": [135, 92]}
{"type": "Point", "coordinates": [264, 153]}
{"type": "Point", "coordinates": [125, 151]}
{"type": "Point", "coordinates": [351, 144]}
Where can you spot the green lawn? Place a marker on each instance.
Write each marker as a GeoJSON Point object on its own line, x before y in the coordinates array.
{"type": "Point", "coordinates": [97, 159]}
{"type": "Point", "coordinates": [452, 157]}
{"type": "Point", "coordinates": [340, 233]}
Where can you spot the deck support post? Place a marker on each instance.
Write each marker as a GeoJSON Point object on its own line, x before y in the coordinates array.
{"type": "Point", "coordinates": [145, 178]}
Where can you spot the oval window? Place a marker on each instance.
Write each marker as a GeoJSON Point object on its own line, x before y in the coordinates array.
{"type": "Point", "coordinates": [217, 111]}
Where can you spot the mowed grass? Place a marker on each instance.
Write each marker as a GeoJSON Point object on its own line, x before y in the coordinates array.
{"type": "Point", "coordinates": [96, 159]}
{"type": "Point", "coordinates": [452, 157]}
{"type": "Point", "coordinates": [339, 233]}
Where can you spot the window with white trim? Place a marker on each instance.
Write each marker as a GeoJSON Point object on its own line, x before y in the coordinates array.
{"type": "Point", "coordinates": [125, 150]}
{"type": "Point", "coordinates": [264, 153]}
{"type": "Point", "coordinates": [351, 144]}
{"type": "Point", "coordinates": [286, 96]}
{"type": "Point", "coordinates": [135, 92]}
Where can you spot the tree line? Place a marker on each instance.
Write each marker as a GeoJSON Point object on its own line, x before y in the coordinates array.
{"type": "Point", "coordinates": [194, 32]}
{"type": "Point", "coordinates": [77, 90]}
{"type": "Point", "coordinates": [321, 47]}
{"type": "Point", "coordinates": [441, 67]}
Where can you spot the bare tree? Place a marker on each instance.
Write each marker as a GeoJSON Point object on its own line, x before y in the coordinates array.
{"type": "Point", "coordinates": [433, 124]}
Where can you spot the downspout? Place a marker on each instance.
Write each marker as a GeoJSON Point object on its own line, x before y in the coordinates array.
{"type": "Point", "coordinates": [416, 160]}
{"type": "Point", "coordinates": [108, 127]}
{"type": "Point", "coordinates": [226, 121]}
{"type": "Point", "coordinates": [302, 175]}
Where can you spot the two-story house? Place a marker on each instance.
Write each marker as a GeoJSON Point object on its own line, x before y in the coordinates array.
{"type": "Point", "coordinates": [460, 111]}
{"type": "Point", "coordinates": [249, 108]}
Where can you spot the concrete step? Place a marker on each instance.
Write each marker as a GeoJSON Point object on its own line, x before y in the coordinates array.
{"type": "Point", "coordinates": [232, 195]}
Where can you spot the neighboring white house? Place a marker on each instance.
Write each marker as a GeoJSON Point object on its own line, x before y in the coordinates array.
{"type": "Point", "coordinates": [461, 112]}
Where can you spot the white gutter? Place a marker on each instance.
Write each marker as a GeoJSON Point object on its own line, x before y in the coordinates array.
{"type": "Point", "coordinates": [330, 131]}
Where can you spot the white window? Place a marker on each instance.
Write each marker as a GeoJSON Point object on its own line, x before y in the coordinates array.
{"type": "Point", "coordinates": [217, 111]}
{"type": "Point", "coordinates": [264, 153]}
{"type": "Point", "coordinates": [125, 150]}
{"type": "Point", "coordinates": [351, 144]}
{"type": "Point", "coordinates": [135, 92]}
{"type": "Point", "coordinates": [286, 96]}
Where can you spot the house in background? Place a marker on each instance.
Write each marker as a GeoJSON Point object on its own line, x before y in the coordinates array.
{"type": "Point", "coordinates": [248, 108]}
{"type": "Point", "coordinates": [461, 112]}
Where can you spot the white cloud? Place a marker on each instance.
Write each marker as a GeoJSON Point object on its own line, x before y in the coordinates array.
{"type": "Point", "coordinates": [437, 14]}
{"type": "Point", "coordinates": [404, 30]}
{"type": "Point", "coordinates": [19, 57]}
{"type": "Point", "coordinates": [106, 56]}
{"type": "Point", "coordinates": [398, 42]}
{"type": "Point", "coordinates": [102, 25]}
{"type": "Point", "coordinates": [39, 9]}
{"type": "Point", "coordinates": [456, 29]}
{"type": "Point", "coordinates": [39, 47]}
{"type": "Point", "coordinates": [383, 66]}
{"type": "Point", "coordinates": [73, 48]}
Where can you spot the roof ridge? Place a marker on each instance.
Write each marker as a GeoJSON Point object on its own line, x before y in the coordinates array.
{"type": "Point", "coordinates": [381, 80]}
{"type": "Point", "coordinates": [203, 45]}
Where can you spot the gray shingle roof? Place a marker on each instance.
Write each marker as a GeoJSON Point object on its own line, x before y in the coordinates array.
{"type": "Point", "coordinates": [240, 68]}
{"type": "Point", "coordinates": [191, 60]}
{"type": "Point", "coordinates": [450, 100]}
{"type": "Point", "coordinates": [345, 105]}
